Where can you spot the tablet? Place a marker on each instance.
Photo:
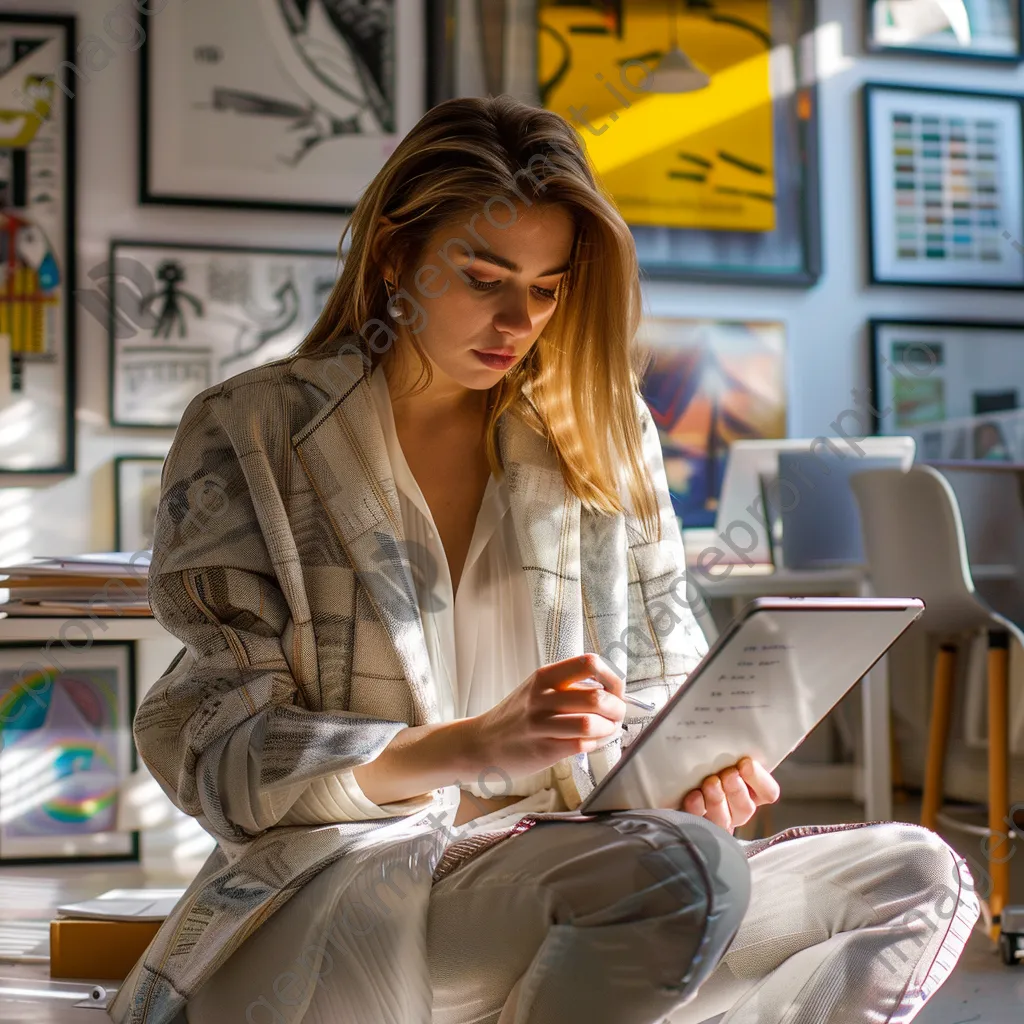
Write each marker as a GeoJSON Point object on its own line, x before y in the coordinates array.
{"type": "Point", "coordinates": [779, 667]}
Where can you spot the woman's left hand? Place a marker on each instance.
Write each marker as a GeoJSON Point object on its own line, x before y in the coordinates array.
{"type": "Point", "coordinates": [731, 797]}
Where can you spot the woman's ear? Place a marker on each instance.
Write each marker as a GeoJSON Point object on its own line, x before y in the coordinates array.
{"type": "Point", "coordinates": [379, 247]}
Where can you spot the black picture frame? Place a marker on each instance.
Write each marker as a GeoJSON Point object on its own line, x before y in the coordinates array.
{"type": "Point", "coordinates": [915, 367]}
{"type": "Point", "coordinates": [132, 854]}
{"type": "Point", "coordinates": [791, 255]}
{"type": "Point", "coordinates": [148, 195]}
{"type": "Point", "coordinates": [120, 318]}
{"type": "Point", "coordinates": [871, 46]}
{"type": "Point", "coordinates": [64, 93]}
{"type": "Point", "coordinates": [876, 277]}
{"type": "Point", "coordinates": [121, 462]}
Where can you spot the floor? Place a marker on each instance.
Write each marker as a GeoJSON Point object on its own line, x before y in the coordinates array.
{"type": "Point", "coordinates": [982, 989]}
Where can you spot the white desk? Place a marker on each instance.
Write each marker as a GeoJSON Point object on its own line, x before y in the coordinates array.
{"type": "Point", "coordinates": [869, 781]}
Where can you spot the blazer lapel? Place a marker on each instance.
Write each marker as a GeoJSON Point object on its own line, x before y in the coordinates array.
{"type": "Point", "coordinates": [344, 454]}
{"type": "Point", "coordinates": [547, 524]}
{"type": "Point", "coordinates": [343, 451]}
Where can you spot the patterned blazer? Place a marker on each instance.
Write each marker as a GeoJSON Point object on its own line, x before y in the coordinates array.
{"type": "Point", "coordinates": [277, 561]}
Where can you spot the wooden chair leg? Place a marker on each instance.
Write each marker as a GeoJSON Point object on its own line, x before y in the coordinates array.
{"type": "Point", "coordinates": [944, 673]}
{"type": "Point", "coordinates": [998, 843]}
{"type": "Point", "coordinates": [896, 766]}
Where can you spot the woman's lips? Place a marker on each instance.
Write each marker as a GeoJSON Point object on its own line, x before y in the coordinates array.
{"type": "Point", "coordinates": [494, 360]}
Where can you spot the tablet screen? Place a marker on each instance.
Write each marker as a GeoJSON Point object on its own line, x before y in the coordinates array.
{"type": "Point", "coordinates": [765, 684]}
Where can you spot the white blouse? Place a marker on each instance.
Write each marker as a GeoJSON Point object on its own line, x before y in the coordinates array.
{"type": "Point", "coordinates": [482, 643]}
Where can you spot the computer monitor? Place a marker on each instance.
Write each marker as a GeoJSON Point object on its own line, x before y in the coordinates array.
{"type": "Point", "coordinates": [740, 532]}
{"type": "Point", "coordinates": [818, 509]}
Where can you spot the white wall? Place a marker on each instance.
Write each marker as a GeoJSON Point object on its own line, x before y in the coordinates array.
{"type": "Point", "coordinates": [826, 325]}
{"type": "Point", "coordinates": [77, 513]}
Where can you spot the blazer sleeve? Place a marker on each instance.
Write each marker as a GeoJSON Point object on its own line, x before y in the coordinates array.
{"type": "Point", "coordinates": [667, 641]}
{"type": "Point", "coordinates": [226, 731]}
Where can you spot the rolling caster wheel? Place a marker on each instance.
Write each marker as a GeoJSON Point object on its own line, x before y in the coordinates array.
{"type": "Point", "coordinates": [1008, 946]}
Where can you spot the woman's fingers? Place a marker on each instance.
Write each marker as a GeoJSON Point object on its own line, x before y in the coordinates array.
{"type": "Point", "coordinates": [728, 799]}
{"type": "Point", "coordinates": [561, 674]}
{"type": "Point", "coordinates": [594, 700]}
{"type": "Point", "coordinates": [766, 790]}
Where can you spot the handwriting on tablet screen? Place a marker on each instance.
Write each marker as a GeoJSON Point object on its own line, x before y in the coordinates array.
{"type": "Point", "coordinates": [729, 692]}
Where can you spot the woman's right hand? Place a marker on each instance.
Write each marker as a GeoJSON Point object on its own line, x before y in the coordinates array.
{"type": "Point", "coordinates": [548, 716]}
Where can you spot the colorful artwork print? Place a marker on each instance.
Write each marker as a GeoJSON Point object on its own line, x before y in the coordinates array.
{"type": "Point", "coordinates": [36, 197]}
{"type": "Point", "coordinates": [66, 749]}
{"type": "Point", "coordinates": [279, 102]}
{"type": "Point", "coordinates": [699, 159]}
{"type": "Point", "coordinates": [711, 383]}
{"type": "Point", "coordinates": [939, 381]}
{"type": "Point", "coordinates": [979, 28]}
{"type": "Point", "coordinates": [188, 318]}
{"type": "Point", "coordinates": [946, 187]}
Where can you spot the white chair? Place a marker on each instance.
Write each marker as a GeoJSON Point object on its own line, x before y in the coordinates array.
{"type": "Point", "coordinates": [915, 547]}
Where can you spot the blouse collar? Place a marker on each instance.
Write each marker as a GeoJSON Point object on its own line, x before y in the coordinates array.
{"type": "Point", "coordinates": [495, 501]}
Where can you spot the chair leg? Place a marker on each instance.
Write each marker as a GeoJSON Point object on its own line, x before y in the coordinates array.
{"type": "Point", "coordinates": [944, 672]}
{"type": "Point", "coordinates": [896, 765]}
{"type": "Point", "coordinates": [998, 843]}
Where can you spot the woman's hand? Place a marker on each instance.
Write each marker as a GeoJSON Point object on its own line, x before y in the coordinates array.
{"type": "Point", "coordinates": [550, 716]}
{"type": "Point", "coordinates": [731, 797]}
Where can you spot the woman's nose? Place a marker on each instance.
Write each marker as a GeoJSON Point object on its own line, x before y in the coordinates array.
{"type": "Point", "coordinates": [513, 316]}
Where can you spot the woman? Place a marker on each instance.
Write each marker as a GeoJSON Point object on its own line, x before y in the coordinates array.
{"type": "Point", "coordinates": [396, 600]}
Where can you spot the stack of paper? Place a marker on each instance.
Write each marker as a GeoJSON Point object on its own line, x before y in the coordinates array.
{"type": "Point", "coordinates": [102, 938]}
{"type": "Point", "coordinates": [107, 583]}
{"type": "Point", "coordinates": [125, 905]}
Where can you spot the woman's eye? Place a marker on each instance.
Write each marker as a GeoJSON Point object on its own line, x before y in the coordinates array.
{"type": "Point", "coordinates": [545, 293]}
{"type": "Point", "coordinates": [483, 286]}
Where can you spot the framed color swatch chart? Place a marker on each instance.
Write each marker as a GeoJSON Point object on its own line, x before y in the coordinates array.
{"type": "Point", "coordinates": [945, 187]}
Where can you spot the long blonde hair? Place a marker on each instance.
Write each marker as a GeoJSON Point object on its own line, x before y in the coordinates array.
{"type": "Point", "coordinates": [578, 384]}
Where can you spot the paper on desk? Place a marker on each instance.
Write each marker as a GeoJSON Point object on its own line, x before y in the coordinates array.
{"type": "Point", "coordinates": [125, 905]}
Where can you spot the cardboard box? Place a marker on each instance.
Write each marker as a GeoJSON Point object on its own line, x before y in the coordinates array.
{"type": "Point", "coordinates": [97, 950]}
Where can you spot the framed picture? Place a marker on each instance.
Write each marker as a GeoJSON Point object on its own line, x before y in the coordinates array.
{"type": "Point", "coordinates": [67, 748]}
{"type": "Point", "coordinates": [741, 202]}
{"type": "Point", "coordinates": [711, 382]}
{"type": "Point", "coordinates": [481, 48]}
{"type": "Point", "coordinates": [701, 123]}
{"type": "Point", "coordinates": [976, 29]}
{"type": "Point", "coordinates": [945, 186]}
{"type": "Point", "coordinates": [37, 244]}
{"type": "Point", "coordinates": [136, 496]}
{"type": "Point", "coordinates": [950, 385]}
{"type": "Point", "coordinates": [188, 317]}
{"type": "Point", "coordinates": [276, 103]}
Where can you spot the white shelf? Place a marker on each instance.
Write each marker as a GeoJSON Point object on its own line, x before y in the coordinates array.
{"type": "Point", "coordinates": [75, 632]}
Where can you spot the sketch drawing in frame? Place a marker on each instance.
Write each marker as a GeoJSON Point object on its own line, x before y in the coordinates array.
{"type": "Point", "coordinates": [277, 104]}
{"type": "Point", "coordinates": [188, 317]}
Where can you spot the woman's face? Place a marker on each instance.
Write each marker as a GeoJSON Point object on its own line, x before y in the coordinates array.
{"type": "Point", "coordinates": [478, 287]}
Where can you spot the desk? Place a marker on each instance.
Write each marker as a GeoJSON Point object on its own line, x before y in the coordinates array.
{"type": "Point", "coordinates": [873, 775]}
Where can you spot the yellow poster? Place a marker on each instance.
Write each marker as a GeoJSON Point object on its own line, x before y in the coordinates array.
{"type": "Point", "coordinates": [694, 159]}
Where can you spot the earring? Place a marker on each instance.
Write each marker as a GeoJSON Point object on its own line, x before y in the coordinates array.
{"type": "Point", "coordinates": [394, 309]}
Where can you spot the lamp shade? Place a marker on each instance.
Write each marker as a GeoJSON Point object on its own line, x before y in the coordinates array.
{"type": "Point", "coordinates": [676, 73]}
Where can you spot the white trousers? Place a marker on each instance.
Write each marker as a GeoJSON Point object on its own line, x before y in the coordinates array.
{"type": "Point", "coordinates": [843, 924]}
{"type": "Point", "coordinates": [644, 917]}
